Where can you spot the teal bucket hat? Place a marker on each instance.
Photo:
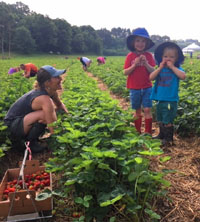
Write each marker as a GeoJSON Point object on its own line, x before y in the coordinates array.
{"type": "Point", "coordinates": [142, 32]}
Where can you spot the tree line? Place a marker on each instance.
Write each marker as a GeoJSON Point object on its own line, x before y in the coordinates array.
{"type": "Point", "coordinates": [24, 31]}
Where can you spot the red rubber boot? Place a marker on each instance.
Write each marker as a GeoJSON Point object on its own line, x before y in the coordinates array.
{"type": "Point", "coordinates": [138, 123]}
{"type": "Point", "coordinates": [148, 126]}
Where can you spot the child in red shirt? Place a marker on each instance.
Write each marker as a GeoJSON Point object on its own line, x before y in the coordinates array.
{"type": "Point", "coordinates": [138, 65]}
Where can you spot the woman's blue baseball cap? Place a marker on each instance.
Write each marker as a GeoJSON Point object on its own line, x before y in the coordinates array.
{"type": "Point", "coordinates": [52, 71]}
{"type": "Point", "coordinates": [142, 32]}
{"type": "Point", "coordinates": [160, 49]}
{"type": "Point", "coordinates": [47, 72]}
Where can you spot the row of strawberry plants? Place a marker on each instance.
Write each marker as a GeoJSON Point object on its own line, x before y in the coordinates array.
{"type": "Point", "coordinates": [112, 75]}
{"type": "Point", "coordinates": [188, 116]}
{"type": "Point", "coordinates": [102, 161]}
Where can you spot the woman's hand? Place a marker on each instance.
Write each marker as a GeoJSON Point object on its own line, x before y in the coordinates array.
{"type": "Point", "coordinates": [62, 107]}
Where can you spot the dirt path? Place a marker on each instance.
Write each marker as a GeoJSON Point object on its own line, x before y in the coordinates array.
{"type": "Point", "coordinates": [184, 191]}
{"type": "Point", "coordinates": [122, 102]}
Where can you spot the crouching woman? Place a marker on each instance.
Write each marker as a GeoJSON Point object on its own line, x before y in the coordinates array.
{"type": "Point", "coordinates": [28, 118]}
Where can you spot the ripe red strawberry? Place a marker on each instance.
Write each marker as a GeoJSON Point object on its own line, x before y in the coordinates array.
{"type": "Point", "coordinates": [47, 182]}
{"type": "Point", "coordinates": [37, 184]}
{"type": "Point", "coordinates": [38, 177]}
{"type": "Point", "coordinates": [14, 182]}
{"type": "Point", "coordinates": [11, 189]}
{"type": "Point", "coordinates": [6, 191]}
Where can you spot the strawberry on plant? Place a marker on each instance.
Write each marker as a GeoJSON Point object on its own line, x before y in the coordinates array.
{"type": "Point", "coordinates": [76, 214]}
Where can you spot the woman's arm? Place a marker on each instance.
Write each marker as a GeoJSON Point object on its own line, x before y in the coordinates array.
{"type": "Point", "coordinates": [49, 113]}
{"type": "Point", "coordinates": [43, 112]}
{"type": "Point", "coordinates": [59, 105]}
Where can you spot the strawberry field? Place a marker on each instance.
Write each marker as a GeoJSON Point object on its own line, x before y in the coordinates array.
{"type": "Point", "coordinates": [102, 169]}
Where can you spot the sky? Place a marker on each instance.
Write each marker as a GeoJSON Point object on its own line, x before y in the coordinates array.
{"type": "Point", "coordinates": [177, 19]}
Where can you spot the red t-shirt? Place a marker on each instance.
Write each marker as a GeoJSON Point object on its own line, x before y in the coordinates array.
{"type": "Point", "coordinates": [139, 78]}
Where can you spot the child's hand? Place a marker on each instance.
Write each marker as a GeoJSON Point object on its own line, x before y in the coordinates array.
{"type": "Point", "coordinates": [143, 60]}
{"type": "Point", "coordinates": [163, 64]}
{"type": "Point", "coordinates": [137, 61]}
{"type": "Point", "coordinates": [169, 64]}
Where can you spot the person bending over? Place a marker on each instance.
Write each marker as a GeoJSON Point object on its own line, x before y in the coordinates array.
{"type": "Point", "coordinates": [30, 70]}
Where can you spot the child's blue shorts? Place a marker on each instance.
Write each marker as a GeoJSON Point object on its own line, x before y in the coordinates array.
{"type": "Point", "coordinates": [140, 98]}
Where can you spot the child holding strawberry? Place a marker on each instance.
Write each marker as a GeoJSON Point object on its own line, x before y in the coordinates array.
{"type": "Point", "coordinates": [138, 65]}
{"type": "Point", "coordinates": [169, 57]}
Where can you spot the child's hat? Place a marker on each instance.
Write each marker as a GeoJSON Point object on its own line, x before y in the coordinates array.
{"type": "Point", "coordinates": [159, 52]}
{"type": "Point", "coordinates": [142, 32]}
